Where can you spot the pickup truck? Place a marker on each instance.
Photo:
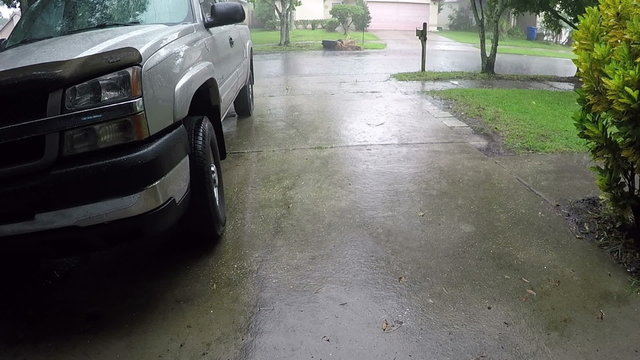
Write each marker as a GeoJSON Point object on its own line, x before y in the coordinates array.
{"type": "Point", "coordinates": [111, 118]}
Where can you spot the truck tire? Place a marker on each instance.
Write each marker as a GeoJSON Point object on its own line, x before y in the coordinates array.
{"type": "Point", "coordinates": [244, 101]}
{"type": "Point", "coordinates": [205, 218]}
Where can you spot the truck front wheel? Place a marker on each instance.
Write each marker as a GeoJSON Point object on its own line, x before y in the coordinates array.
{"type": "Point", "coordinates": [206, 216]}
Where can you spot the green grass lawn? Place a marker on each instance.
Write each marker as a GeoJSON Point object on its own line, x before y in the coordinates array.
{"type": "Point", "coordinates": [513, 46]}
{"type": "Point", "coordinates": [461, 75]}
{"type": "Point", "coordinates": [528, 120]}
{"type": "Point", "coordinates": [301, 40]}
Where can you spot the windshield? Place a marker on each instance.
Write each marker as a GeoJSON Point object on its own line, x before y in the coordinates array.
{"type": "Point", "coordinates": [51, 18]}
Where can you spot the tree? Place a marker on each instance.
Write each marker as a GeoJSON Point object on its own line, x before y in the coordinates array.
{"type": "Point", "coordinates": [562, 11]}
{"type": "Point", "coordinates": [487, 14]}
{"type": "Point", "coordinates": [263, 11]}
{"type": "Point", "coordinates": [284, 9]}
{"type": "Point", "coordinates": [345, 14]}
{"type": "Point", "coordinates": [606, 45]}
{"type": "Point", "coordinates": [362, 21]}
{"type": "Point", "coordinates": [440, 4]}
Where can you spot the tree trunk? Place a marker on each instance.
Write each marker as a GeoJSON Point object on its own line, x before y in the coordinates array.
{"type": "Point", "coordinates": [287, 21]}
{"type": "Point", "coordinates": [480, 21]}
{"type": "Point", "coordinates": [283, 24]}
{"type": "Point", "coordinates": [489, 65]}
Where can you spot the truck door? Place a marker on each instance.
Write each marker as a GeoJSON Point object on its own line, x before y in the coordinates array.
{"type": "Point", "coordinates": [223, 46]}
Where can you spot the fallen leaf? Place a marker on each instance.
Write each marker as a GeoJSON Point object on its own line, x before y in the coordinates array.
{"type": "Point", "coordinates": [386, 327]}
{"type": "Point", "coordinates": [601, 315]}
{"type": "Point", "coordinates": [402, 279]}
{"type": "Point", "coordinates": [525, 280]}
{"type": "Point", "coordinates": [531, 292]}
{"type": "Point", "coordinates": [326, 338]}
{"type": "Point", "coordinates": [421, 214]}
{"type": "Point", "coordinates": [507, 277]}
{"type": "Point", "coordinates": [343, 304]}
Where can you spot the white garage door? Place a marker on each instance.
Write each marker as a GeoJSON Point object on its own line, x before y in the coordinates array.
{"type": "Point", "coordinates": [397, 16]}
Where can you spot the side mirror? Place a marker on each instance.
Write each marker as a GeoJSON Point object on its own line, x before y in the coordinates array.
{"type": "Point", "coordinates": [225, 13]}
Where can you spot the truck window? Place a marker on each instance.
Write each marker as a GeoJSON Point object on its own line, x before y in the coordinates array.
{"type": "Point", "coordinates": [52, 18]}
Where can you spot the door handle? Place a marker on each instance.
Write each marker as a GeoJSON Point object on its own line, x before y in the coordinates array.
{"type": "Point", "coordinates": [231, 42]}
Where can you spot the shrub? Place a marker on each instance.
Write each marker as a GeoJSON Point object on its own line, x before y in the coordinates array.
{"type": "Point", "coordinates": [331, 25]}
{"type": "Point", "coordinates": [305, 23]}
{"type": "Point", "coordinates": [516, 33]}
{"type": "Point", "coordinates": [606, 44]}
{"type": "Point", "coordinates": [316, 24]}
{"type": "Point", "coordinates": [272, 24]}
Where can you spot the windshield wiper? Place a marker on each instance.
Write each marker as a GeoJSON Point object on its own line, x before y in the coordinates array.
{"type": "Point", "coordinates": [103, 25]}
{"type": "Point", "coordinates": [26, 41]}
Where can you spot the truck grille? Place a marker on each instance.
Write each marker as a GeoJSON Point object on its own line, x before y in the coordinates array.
{"type": "Point", "coordinates": [18, 108]}
{"type": "Point", "coordinates": [21, 151]}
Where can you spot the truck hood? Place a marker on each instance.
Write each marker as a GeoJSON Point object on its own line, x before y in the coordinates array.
{"type": "Point", "coordinates": [147, 39]}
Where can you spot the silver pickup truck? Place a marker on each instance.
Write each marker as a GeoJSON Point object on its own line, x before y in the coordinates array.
{"type": "Point", "coordinates": [111, 117]}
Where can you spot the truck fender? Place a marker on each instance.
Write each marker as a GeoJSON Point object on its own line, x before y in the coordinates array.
{"type": "Point", "coordinates": [185, 89]}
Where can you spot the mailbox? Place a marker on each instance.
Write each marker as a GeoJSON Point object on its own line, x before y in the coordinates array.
{"type": "Point", "coordinates": [422, 33]}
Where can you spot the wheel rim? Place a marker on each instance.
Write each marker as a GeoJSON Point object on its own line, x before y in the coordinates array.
{"type": "Point", "coordinates": [214, 177]}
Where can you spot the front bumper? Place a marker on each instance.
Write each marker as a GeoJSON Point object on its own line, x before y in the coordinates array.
{"type": "Point", "coordinates": [102, 188]}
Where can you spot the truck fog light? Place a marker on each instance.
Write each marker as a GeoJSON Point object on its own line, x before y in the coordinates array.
{"type": "Point", "coordinates": [105, 134]}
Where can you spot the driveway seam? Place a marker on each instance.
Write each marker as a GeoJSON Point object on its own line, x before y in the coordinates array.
{"type": "Point", "coordinates": [321, 147]}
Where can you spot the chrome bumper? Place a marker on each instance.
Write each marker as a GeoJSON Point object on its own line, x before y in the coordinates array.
{"type": "Point", "coordinates": [173, 186]}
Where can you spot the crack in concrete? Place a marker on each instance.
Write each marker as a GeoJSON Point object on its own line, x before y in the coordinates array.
{"type": "Point", "coordinates": [526, 184]}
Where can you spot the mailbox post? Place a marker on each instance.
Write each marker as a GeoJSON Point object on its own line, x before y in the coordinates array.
{"type": "Point", "coordinates": [422, 35]}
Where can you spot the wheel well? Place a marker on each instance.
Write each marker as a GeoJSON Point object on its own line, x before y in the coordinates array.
{"type": "Point", "coordinates": [206, 102]}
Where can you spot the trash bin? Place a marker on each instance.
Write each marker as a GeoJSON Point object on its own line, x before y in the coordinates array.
{"type": "Point", "coordinates": [329, 44]}
{"type": "Point", "coordinates": [532, 32]}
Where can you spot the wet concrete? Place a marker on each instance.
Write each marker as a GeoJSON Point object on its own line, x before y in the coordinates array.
{"type": "Point", "coordinates": [559, 178]}
{"type": "Point", "coordinates": [352, 203]}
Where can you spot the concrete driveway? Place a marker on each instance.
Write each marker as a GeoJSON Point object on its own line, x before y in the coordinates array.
{"type": "Point", "coordinates": [360, 226]}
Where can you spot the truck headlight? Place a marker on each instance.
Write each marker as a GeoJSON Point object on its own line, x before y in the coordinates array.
{"type": "Point", "coordinates": [117, 86]}
{"type": "Point", "coordinates": [102, 135]}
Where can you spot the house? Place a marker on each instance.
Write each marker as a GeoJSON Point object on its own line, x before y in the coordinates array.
{"type": "Point", "coordinates": [6, 29]}
{"type": "Point", "coordinates": [385, 14]}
